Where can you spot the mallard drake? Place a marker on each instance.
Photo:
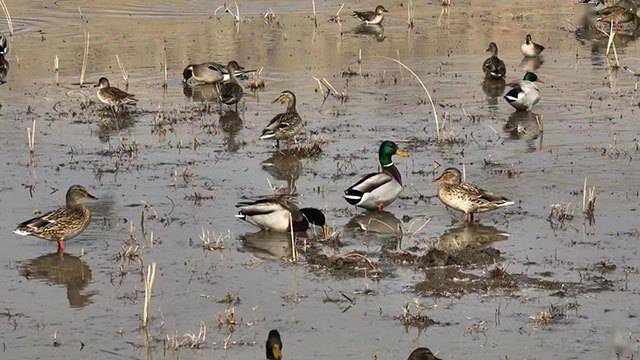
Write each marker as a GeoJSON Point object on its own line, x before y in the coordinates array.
{"type": "Point", "coordinates": [493, 67]}
{"type": "Point", "coordinates": [529, 48]}
{"type": "Point", "coordinates": [231, 91]}
{"type": "Point", "coordinates": [524, 94]}
{"type": "Point", "coordinates": [277, 213]}
{"type": "Point", "coordinates": [371, 17]}
{"type": "Point", "coordinates": [274, 346]}
{"type": "Point", "coordinates": [377, 190]}
{"type": "Point", "coordinates": [422, 354]}
{"type": "Point", "coordinates": [113, 96]}
{"type": "Point", "coordinates": [286, 125]}
{"type": "Point", "coordinates": [4, 45]}
{"type": "Point", "coordinates": [211, 72]}
{"type": "Point", "coordinates": [62, 224]}
{"type": "Point", "coordinates": [466, 197]}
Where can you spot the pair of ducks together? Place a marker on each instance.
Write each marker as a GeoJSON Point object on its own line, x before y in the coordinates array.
{"type": "Point", "coordinates": [373, 192]}
{"type": "Point", "coordinates": [524, 94]}
{"type": "Point", "coordinates": [274, 349]}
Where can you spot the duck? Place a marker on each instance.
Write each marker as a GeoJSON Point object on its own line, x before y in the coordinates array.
{"type": "Point", "coordinates": [276, 214]}
{"type": "Point", "coordinates": [4, 45]}
{"type": "Point", "coordinates": [524, 94]}
{"type": "Point", "coordinates": [286, 125]}
{"type": "Point", "coordinates": [620, 13]}
{"type": "Point", "coordinates": [422, 353]}
{"type": "Point", "coordinates": [530, 48]}
{"type": "Point", "coordinates": [211, 72]}
{"type": "Point", "coordinates": [114, 97]}
{"type": "Point", "coordinates": [493, 67]}
{"type": "Point", "coordinates": [371, 17]}
{"type": "Point", "coordinates": [466, 197]}
{"type": "Point", "coordinates": [231, 91]}
{"type": "Point", "coordinates": [61, 224]}
{"type": "Point", "coordinates": [274, 345]}
{"type": "Point", "coordinates": [377, 190]}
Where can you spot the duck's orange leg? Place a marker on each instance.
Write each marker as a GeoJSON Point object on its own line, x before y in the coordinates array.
{"type": "Point", "coordinates": [379, 207]}
{"type": "Point", "coordinates": [61, 246]}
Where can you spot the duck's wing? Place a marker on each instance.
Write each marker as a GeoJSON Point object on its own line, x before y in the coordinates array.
{"type": "Point", "coordinates": [281, 123]}
{"type": "Point", "coordinates": [483, 198]}
{"type": "Point", "coordinates": [261, 207]}
{"type": "Point", "coordinates": [119, 95]}
{"type": "Point", "coordinates": [515, 93]}
{"type": "Point", "coordinates": [364, 15]}
{"type": "Point", "coordinates": [494, 66]}
{"type": "Point", "coordinates": [539, 48]}
{"type": "Point", "coordinates": [367, 184]}
{"type": "Point", "coordinates": [53, 225]}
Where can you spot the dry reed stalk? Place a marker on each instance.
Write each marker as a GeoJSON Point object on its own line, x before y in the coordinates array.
{"type": "Point", "coordinates": [164, 67]}
{"type": "Point", "coordinates": [148, 288]}
{"type": "Point", "coordinates": [540, 122]}
{"type": "Point", "coordinates": [315, 18]}
{"type": "Point", "coordinates": [85, 57]}
{"type": "Point", "coordinates": [433, 106]}
{"type": "Point", "coordinates": [588, 199]}
{"type": "Point", "coordinates": [125, 74]}
{"type": "Point", "coordinates": [7, 15]}
{"type": "Point", "coordinates": [31, 138]}
{"type": "Point", "coordinates": [337, 16]}
{"type": "Point", "coordinates": [56, 68]}
{"type": "Point", "coordinates": [294, 252]}
{"type": "Point", "coordinates": [410, 14]}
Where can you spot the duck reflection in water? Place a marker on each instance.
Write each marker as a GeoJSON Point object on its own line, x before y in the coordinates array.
{"type": "Point", "coordinates": [375, 31]}
{"type": "Point", "coordinates": [202, 93]}
{"type": "Point", "coordinates": [61, 269]}
{"type": "Point", "coordinates": [268, 245]}
{"type": "Point", "coordinates": [230, 123]}
{"type": "Point", "coordinates": [493, 88]}
{"type": "Point", "coordinates": [376, 222]}
{"type": "Point", "coordinates": [284, 166]}
{"type": "Point", "coordinates": [526, 126]}
{"type": "Point", "coordinates": [469, 236]}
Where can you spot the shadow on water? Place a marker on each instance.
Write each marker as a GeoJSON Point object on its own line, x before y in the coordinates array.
{"type": "Point", "coordinates": [284, 166]}
{"type": "Point", "coordinates": [66, 270]}
{"type": "Point", "coordinates": [267, 245]}
{"type": "Point", "coordinates": [230, 123]}
{"type": "Point", "coordinates": [494, 89]}
{"type": "Point", "coordinates": [204, 93]}
{"type": "Point", "coordinates": [375, 31]}
{"type": "Point", "coordinates": [469, 236]}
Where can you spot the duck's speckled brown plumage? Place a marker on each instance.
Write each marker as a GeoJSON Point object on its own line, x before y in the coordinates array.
{"type": "Point", "coordinates": [286, 125]}
{"type": "Point", "coordinates": [113, 96]}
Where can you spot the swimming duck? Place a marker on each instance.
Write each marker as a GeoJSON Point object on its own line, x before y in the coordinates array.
{"type": "Point", "coordinates": [274, 346]}
{"type": "Point", "coordinates": [231, 91]}
{"type": "Point", "coordinates": [4, 45]}
{"type": "Point", "coordinates": [210, 72]}
{"type": "Point", "coordinates": [274, 213]}
{"type": "Point", "coordinates": [62, 224]}
{"type": "Point", "coordinates": [524, 94]}
{"type": "Point", "coordinates": [422, 354]}
{"type": "Point", "coordinates": [466, 197]}
{"type": "Point", "coordinates": [113, 96]}
{"type": "Point", "coordinates": [493, 67]}
{"type": "Point", "coordinates": [371, 17]}
{"type": "Point", "coordinates": [529, 48]}
{"type": "Point", "coordinates": [377, 190]}
{"type": "Point", "coordinates": [286, 125]}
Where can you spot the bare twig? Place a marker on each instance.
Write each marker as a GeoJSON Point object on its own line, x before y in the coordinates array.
{"type": "Point", "coordinates": [125, 74]}
{"type": "Point", "coordinates": [315, 18]}
{"type": "Point", "coordinates": [148, 287]}
{"type": "Point", "coordinates": [5, 9]}
{"type": "Point", "coordinates": [294, 252]}
{"type": "Point", "coordinates": [31, 138]}
{"type": "Point", "coordinates": [85, 57]}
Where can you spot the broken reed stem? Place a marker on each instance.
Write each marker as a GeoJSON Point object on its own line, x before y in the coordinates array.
{"type": "Point", "coordinates": [31, 138]}
{"type": "Point", "coordinates": [339, 10]}
{"type": "Point", "coordinates": [584, 195]}
{"type": "Point", "coordinates": [148, 287]}
{"type": "Point", "coordinates": [85, 57]}
{"type": "Point", "coordinates": [410, 14]}
{"type": "Point", "coordinates": [540, 122]}
{"type": "Point", "coordinates": [56, 68]}
{"type": "Point", "coordinates": [125, 74]}
{"type": "Point", "coordinates": [294, 252]}
{"type": "Point", "coordinates": [164, 67]}
{"type": "Point", "coordinates": [315, 19]}
{"type": "Point", "coordinates": [433, 106]}
{"type": "Point", "coordinates": [7, 15]}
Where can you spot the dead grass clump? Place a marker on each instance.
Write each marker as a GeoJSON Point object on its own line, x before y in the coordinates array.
{"type": "Point", "coordinates": [551, 315]}
{"type": "Point", "coordinates": [589, 201]}
{"type": "Point", "coordinates": [230, 299]}
{"type": "Point", "coordinates": [412, 316]}
{"type": "Point", "coordinates": [130, 252]}
{"type": "Point", "coordinates": [188, 340]}
{"type": "Point", "coordinates": [227, 319]}
{"type": "Point", "coordinates": [212, 241]}
{"type": "Point", "coordinates": [560, 214]}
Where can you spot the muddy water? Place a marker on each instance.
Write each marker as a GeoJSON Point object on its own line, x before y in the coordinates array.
{"type": "Point", "coordinates": [86, 305]}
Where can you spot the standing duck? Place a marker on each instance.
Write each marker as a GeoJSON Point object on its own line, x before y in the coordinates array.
{"type": "Point", "coordinates": [274, 346]}
{"type": "Point", "coordinates": [62, 224]}
{"type": "Point", "coordinates": [622, 12]}
{"type": "Point", "coordinates": [277, 214]}
{"type": "Point", "coordinates": [422, 354]}
{"type": "Point", "coordinates": [286, 125]}
{"type": "Point", "coordinates": [466, 197]}
{"type": "Point", "coordinates": [493, 67]}
{"type": "Point", "coordinates": [529, 48]}
{"type": "Point", "coordinates": [114, 97]}
{"type": "Point", "coordinates": [377, 190]}
{"type": "Point", "coordinates": [231, 91]}
{"type": "Point", "coordinates": [371, 17]}
{"type": "Point", "coordinates": [524, 94]}
{"type": "Point", "coordinates": [209, 72]}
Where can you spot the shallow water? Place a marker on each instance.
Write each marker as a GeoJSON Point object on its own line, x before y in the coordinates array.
{"type": "Point", "coordinates": [590, 130]}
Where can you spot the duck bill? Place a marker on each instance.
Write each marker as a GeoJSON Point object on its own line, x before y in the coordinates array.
{"type": "Point", "coordinates": [325, 231]}
{"type": "Point", "coordinates": [277, 354]}
{"type": "Point", "coordinates": [385, 10]}
{"type": "Point", "coordinates": [540, 81]}
{"type": "Point", "coordinates": [401, 153]}
{"type": "Point", "coordinates": [89, 196]}
{"type": "Point", "coordinates": [437, 180]}
{"type": "Point", "coordinates": [278, 100]}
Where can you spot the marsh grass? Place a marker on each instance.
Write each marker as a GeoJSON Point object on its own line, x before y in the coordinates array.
{"type": "Point", "coordinates": [5, 9]}
{"type": "Point", "coordinates": [188, 340]}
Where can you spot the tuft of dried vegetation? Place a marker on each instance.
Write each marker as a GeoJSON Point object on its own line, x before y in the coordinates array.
{"type": "Point", "coordinates": [588, 201]}
{"type": "Point", "coordinates": [188, 340]}
{"type": "Point", "coordinates": [227, 319]}
{"type": "Point", "coordinates": [327, 89]}
{"type": "Point", "coordinates": [561, 213]}
{"type": "Point", "coordinates": [212, 241]}
{"type": "Point", "coordinates": [412, 315]}
{"type": "Point", "coordinates": [552, 314]}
